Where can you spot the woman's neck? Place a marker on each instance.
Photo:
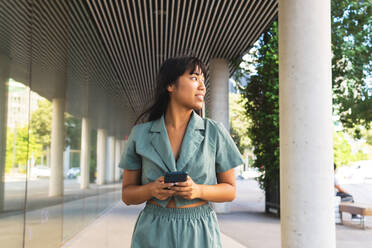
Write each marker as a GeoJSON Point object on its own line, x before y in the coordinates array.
{"type": "Point", "coordinates": [176, 117]}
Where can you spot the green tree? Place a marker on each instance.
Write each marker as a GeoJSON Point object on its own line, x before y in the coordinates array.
{"type": "Point", "coordinates": [239, 122]}
{"type": "Point", "coordinates": [262, 104]}
{"type": "Point", "coordinates": [351, 62]}
{"type": "Point", "coordinates": [20, 149]}
{"type": "Point", "coordinates": [41, 126]}
{"type": "Point", "coordinates": [368, 136]}
{"type": "Point", "coordinates": [343, 154]}
{"type": "Point", "coordinates": [351, 68]}
{"type": "Point", "coordinates": [341, 149]}
{"type": "Point", "coordinates": [39, 139]}
{"type": "Point", "coordinates": [41, 123]}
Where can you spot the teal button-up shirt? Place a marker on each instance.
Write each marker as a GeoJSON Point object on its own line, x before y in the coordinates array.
{"type": "Point", "coordinates": [207, 148]}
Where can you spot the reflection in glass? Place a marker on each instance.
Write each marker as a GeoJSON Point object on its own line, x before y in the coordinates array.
{"type": "Point", "coordinates": [14, 159]}
{"type": "Point", "coordinates": [43, 213]}
{"type": "Point", "coordinates": [45, 98]}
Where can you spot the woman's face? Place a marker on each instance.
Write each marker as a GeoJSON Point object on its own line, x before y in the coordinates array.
{"type": "Point", "coordinates": [189, 90]}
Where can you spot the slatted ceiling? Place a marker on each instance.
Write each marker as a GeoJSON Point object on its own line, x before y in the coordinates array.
{"type": "Point", "coordinates": [231, 45]}
{"type": "Point", "coordinates": [208, 28]}
{"type": "Point", "coordinates": [42, 54]}
{"type": "Point", "coordinates": [224, 30]}
{"type": "Point", "coordinates": [237, 23]}
{"type": "Point", "coordinates": [252, 37]}
{"type": "Point", "coordinates": [136, 39]}
{"type": "Point", "coordinates": [121, 44]}
{"type": "Point", "coordinates": [116, 56]}
{"type": "Point", "coordinates": [219, 32]}
{"type": "Point", "coordinates": [100, 68]}
{"type": "Point", "coordinates": [143, 15]}
{"type": "Point", "coordinates": [230, 41]}
{"type": "Point", "coordinates": [13, 23]}
{"type": "Point", "coordinates": [137, 56]}
{"type": "Point", "coordinates": [252, 34]}
{"type": "Point", "coordinates": [94, 55]}
{"type": "Point", "coordinates": [53, 27]}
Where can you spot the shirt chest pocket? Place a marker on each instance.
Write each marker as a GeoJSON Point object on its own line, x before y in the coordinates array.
{"type": "Point", "coordinates": [202, 165]}
{"type": "Point", "coordinates": [150, 171]}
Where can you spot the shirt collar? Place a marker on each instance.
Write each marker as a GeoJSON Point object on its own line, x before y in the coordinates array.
{"type": "Point", "coordinates": [196, 122]}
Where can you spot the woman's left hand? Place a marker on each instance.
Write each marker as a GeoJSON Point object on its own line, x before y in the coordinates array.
{"type": "Point", "coordinates": [188, 189]}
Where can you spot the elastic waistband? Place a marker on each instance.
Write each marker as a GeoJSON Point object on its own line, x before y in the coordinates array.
{"type": "Point", "coordinates": [194, 212]}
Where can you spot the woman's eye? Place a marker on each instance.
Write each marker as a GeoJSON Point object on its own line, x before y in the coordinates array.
{"type": "Point", "coordinates": [194, 78]}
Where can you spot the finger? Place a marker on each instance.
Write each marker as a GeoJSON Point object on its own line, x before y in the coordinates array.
{"type": "Point", "coordinates": [161, 182]}
{"type": "Point", "coordinates": [178, 188]}
{"type": "Point", "coordinates": [188, 192]}
{"type": "Point", "coordinates": [181, 189]}
{"type": "Point", "coordinates": [183, 184]}
{"type": "Point", "coordinates": [167, 185]}
{"type": "Point", "coordinates": [160, 179]}
{"type": "Point", "coordinates": [166, 191]}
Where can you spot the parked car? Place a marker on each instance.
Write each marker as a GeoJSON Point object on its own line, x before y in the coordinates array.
{"type": "Point", "coordinates": [73, 172]}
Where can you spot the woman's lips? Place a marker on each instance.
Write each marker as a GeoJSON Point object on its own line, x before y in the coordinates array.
{"type": "Point", "coordinates": [200, 97]}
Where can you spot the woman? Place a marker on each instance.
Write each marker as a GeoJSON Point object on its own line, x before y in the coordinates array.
{"type": "Point", "coordinates": [175, 138]}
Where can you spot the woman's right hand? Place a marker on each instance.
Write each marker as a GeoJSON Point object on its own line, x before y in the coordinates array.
{"type": "Point", "coordinates": [159, 189]}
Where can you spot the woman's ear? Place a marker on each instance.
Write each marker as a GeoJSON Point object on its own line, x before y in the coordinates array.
{"type": "Point", "coordinates": [171, 88]}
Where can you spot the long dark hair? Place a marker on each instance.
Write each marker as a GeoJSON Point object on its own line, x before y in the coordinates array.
{"type": "Point", "coordinates": [169, 72]}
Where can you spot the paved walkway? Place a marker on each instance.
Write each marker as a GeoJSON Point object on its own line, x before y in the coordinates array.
{"type": "Point", "coordinates": [245, 226]}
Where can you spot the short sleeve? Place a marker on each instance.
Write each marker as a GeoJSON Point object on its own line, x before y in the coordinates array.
{"type": "Point", "coordinates": [227, 154]}
{"type": "Point", "coordinates": [130, 160]}
{"type": "Point", "coordinates": [336, 181]}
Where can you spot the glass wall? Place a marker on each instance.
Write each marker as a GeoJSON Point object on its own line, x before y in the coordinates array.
{"type": "Point", "coordinates": [31, 216]}
{"type": "Point", "coordinates": [57, 174]}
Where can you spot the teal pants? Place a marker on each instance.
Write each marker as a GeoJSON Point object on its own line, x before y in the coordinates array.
{"type": "Point", "coordinates": [160, 227]}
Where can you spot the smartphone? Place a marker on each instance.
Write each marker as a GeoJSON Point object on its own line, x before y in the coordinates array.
{"type": "Point", "coordinates": [175, 176]}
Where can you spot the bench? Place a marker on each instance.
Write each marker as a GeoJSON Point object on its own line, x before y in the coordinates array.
{"type": "Point", "coordinates": [352, 208]}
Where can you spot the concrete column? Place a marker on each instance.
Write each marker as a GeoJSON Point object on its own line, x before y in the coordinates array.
{"type": "Point", "coordinates": [111, 159]}
{"type": "Point", "coordinates": [218, 105]}
{"type": "Point", "coordinates": [101, 156]}
{"type": "Point", "coordinates": [305, 103]}
{"type": "Point", "coordinates": [4, 77]}
{"type": "Point", "coordinates": [57, 147]}
{"type": "Point", "coordinates": [118, 145]}
{"type": "Point", "coordinates": [85, 153]}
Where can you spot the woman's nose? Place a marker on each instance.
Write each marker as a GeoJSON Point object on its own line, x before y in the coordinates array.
{"type": "Point", "coordinates": [201, 85]}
